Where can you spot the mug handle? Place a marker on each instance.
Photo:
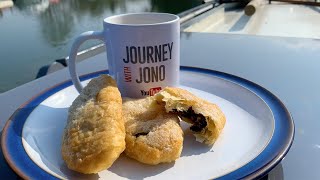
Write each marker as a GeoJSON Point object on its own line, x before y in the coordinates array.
{"type": "Point", "coordinates": [73, 54]}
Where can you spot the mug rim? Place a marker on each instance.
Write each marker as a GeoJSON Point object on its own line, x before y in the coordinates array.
{"type": "Point", "coordinates": [109, 19]}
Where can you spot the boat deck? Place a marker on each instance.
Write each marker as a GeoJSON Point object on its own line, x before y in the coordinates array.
{"type": "Point", "coordinates": [275, 19]}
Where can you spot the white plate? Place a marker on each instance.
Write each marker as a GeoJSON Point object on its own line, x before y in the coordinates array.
{"type": "Point", "coordinates": [239, 152]}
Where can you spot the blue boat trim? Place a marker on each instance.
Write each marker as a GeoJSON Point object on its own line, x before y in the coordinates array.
{"type": "Point", "coordinates": [274, 152]}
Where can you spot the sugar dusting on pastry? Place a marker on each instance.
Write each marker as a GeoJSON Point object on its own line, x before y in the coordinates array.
{"type": "Point", "coordinates": [94, 136]}
{"type": "Point", "coordinates": [152, 135]}
{"type": "Point", "coordinates": [101, 125]}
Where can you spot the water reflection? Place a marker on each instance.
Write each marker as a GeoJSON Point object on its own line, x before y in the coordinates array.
{"type": "Point", "coordinates": [5, 5]}
{"type": "Point", "coordinates": [51, 26]}
{"type": "Point", "coordinates": [56, 23]}
{"type": "Point", "coordinates": [31, 7]}
{"type": "Point", "coordinates": [96, 7]}
{"type": "Point", "coordinates": [58, 17]}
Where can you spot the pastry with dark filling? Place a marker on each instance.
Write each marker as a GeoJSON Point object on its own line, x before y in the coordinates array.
{"type": "Point", "coordinates": [153, 136]}
{"type": "Point", "coordinates": [206, 118]}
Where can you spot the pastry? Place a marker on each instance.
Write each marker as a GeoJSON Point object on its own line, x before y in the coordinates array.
{"type": "Point", "coordinates": [152, 135]}
{"type": "Point", "coordinates": [94, 136]}
{"type": "Point", "coordinates": [206, 118]}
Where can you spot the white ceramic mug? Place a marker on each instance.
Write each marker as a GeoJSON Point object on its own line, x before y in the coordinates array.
{"type": "Point", "coordinates": [143, 52]}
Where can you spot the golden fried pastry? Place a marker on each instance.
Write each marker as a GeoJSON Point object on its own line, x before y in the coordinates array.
{"type": "Point", "coordinates": [206, 118]}
{"type": "Point", "coordinates": [94, 136]}
{"type": "Point", "coordinates": [152, 135]}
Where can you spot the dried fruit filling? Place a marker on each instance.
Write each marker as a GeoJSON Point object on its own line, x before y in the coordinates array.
{"type": "Point", "coordinates": [141, 134]}
{"type": "Point", "coordinates": [198, 120]}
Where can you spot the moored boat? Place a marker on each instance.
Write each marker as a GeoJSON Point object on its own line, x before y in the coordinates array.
{"type": "Point", "coordinates": [6, 4]}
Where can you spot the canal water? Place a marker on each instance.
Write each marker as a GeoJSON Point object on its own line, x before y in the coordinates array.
{"type": "Point", "coordinates": [34, 33]}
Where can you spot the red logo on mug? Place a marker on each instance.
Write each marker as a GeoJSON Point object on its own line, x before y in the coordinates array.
{"type": "Point", "coordinates": [153, 91]}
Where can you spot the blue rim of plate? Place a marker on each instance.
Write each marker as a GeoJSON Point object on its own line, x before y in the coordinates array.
{"type": "Point", "coordinates": [274, 152]}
